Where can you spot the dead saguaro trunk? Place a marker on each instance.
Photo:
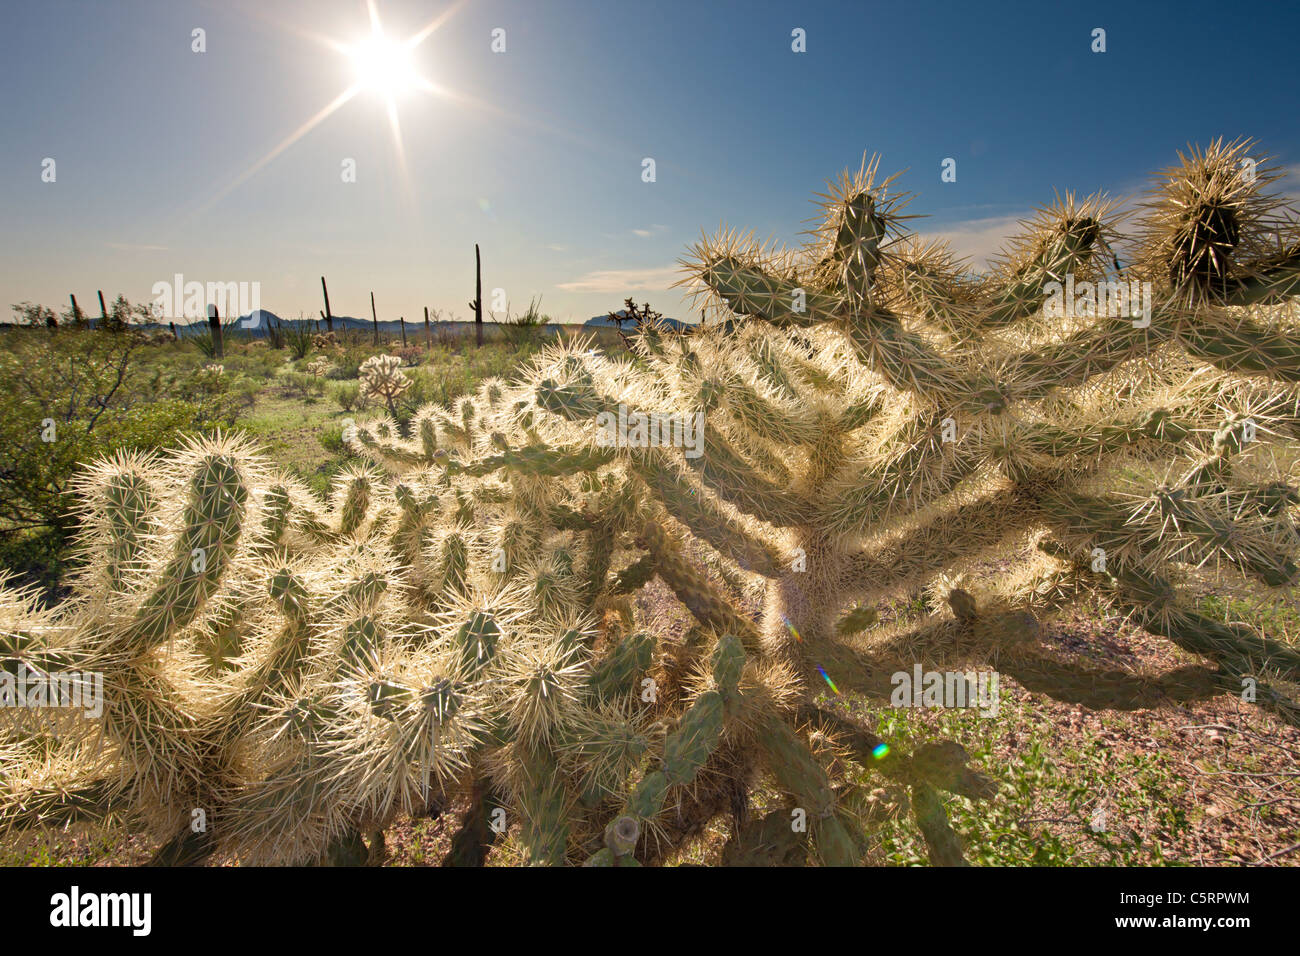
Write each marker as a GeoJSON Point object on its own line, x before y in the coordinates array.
{"type": "Point", "coordinates": [327, 315]}
{"type": "Point", "coordinates": [78, 320]}
{"type": "Point", "coordinates": [428, 340]}
{"type": "Point", "coordinates": [477, 304]}
{"type": "Point", "coordinates": [214, 323]}
{"type": "Point", "coordinates": [103, 311]}
{"type": "Point", "coordinates": [402, 320]}
{"type": "Point", "coordinates": [374, 317]}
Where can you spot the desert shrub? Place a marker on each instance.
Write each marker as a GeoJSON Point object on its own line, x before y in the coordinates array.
{"type": "Point", "coordinates": [303, 384]}
{"type": "Point", "coordinates": [72, 396]}
{"type": "Point", "coordinates": [410, 355]}
{"type": "Point", "coordinates": [325, 341]}
{"type": "Point", "coordinates": [348, 363]}
{"type": "Point", "coordinates": [331, 439]}
{"type": "Point", "coordinates": [275, 337]}
{"type": "Point", "coordinates": [348, 396]}
{"type": "Point", "coordinates": [525, 329]}
{"type": "Point", "coordinates": [298, 337]}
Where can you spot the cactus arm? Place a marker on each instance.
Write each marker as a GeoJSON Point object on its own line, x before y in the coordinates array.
{"type": "Point", "coordinates": [962, 533]}
{"type": "Point", "coordinates": [285, 660]}
{"type": "Point", "coordinates": [748, 290]}
{"type": "Point", "coordinates": [1021, 297]}
{"type": "Point", "coordinates": [944, 845]}
{"type": "Point", "coordinates": [759, 417]}
{"type": "Point", "coordinates": [921, 470]}
{"type": "Point", "coordinates": [634, 575]}
{"type": "Point", "coordinates": [538, 460]}
{"type": "Point", "coordinates": [53, 806]}
{"type": "Point", "coordinates": [1172, 525]}
{"type": "Point", "coordinates": [910, 364]}
{"type": "Point", "coordinates": [1275, 277]}
{"type": "Point", "coordinates": [798, 773]}
{"type": "Point", "coordinates": [212, 522]}
{"type": "Point", "coordinates": [544, 808]}
{"type": "Point", "coordinates": [686, 750]}
{"type": "Point", "coordinates": [862, 412]}
{"type": "Point", "coordinates": [770, 368]}
{"type": "Point", "coordinates": [1103, 345]}
{"type": "Point", "coordinates": [681, 500]}
{"type": "Point", "coordinates": [693, 589]}
{"type": "Point", "coordinates": [735, 480]}
{"type": "Point", "coordinates": [1244, 347]}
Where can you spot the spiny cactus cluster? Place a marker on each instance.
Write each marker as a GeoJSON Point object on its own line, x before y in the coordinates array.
{"type": "Point", "coordinates": [456, 627]}
{"type": "Point", "coordinates": [381, 377]}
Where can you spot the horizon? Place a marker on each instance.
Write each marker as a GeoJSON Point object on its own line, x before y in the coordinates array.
{"type": "Point", "coordinates": [233, 169]}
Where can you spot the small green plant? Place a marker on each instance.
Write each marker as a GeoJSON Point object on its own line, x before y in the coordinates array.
{"type": "Point", "coordinates": [523, 330]}
{"type": "Point", "coordinates": [298, 336]}
{"type": "Point", "coordinates": [275, 335]}
{"type": "Point", "coordinates": [348, 396]}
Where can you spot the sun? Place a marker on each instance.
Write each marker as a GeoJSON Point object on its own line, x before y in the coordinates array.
{"type": "Point", "coordinates": [384, 65]}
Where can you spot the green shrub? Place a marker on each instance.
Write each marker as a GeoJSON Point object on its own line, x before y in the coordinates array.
{"type": "Point", "coordinates": [298, 337]}
{"type": "Point", "coordinates": [348, 396]}
{"type": "Point", "coordinates": [71, 397]}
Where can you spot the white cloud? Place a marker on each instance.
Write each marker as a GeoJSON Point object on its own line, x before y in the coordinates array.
{"type": "Point", "coordinates": [624, 280]}
{"type": "Point", "coordinates": [643, 233]}
{"type": "Point", "coordinates": [979, 239]}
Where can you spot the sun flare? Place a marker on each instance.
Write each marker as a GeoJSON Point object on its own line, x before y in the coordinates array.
{"type": "Point", "coordinates": [384, 65]}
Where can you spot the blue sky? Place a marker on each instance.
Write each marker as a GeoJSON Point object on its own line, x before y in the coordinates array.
{"type": "Point", "coordinates": [536, 153]}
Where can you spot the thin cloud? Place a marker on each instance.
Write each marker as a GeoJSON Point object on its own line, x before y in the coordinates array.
{"type": "Point", "coordinates": [624, 280]}
{"type": "Point", "coordinates": [1290, 183]}
{"type": "Point", "coordinates": [979, 240]}
{"type": "Point", "coordinates": [133, 247]}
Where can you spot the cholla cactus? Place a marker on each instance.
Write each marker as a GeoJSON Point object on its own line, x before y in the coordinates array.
{"type": "Point", "coordinates": [456, 623]}
{"type": "Point", "coordinates": [882, 419]}
{"type": "Point", "coordinates": [324, 341]}
{"type": "Point", "coordinates": [381, 377]}
{"type": "Point", "coordinates": [318, 367]}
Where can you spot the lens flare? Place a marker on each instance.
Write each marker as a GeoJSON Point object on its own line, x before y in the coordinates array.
{"type": "Point", "coordinates": [827, 677]}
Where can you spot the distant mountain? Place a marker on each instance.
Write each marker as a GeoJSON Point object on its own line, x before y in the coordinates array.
{"type": "Point", "coordinates": [605, 322]}
{"type": "Point", "coordinates": [258, 321]}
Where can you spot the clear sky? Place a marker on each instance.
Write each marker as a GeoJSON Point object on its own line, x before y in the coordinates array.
{"type": "Point", "coordinates": [161, 153]}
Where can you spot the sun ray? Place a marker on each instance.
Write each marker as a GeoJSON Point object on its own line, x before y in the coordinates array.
{"type": "Point", "coordinates": [284, 144]}
{"type": "Point", "coordinates": [427, 30]}
{"type": "Point", "coordinates": [384, 65]}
